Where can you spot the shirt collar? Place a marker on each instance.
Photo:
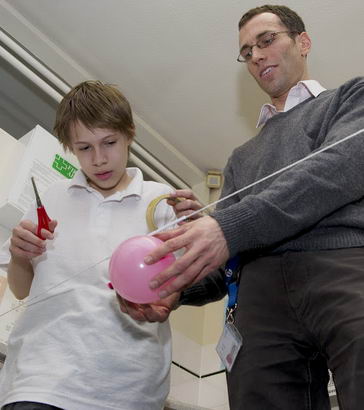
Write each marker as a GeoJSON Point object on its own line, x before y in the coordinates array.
{"type": "Point", "coordinates": [297, 94]}
{"type": "Point", "coordinates": [134, 188]}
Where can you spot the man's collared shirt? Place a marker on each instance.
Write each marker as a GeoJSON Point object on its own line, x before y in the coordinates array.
{"type": "Point", "coordinates": [297, 94]}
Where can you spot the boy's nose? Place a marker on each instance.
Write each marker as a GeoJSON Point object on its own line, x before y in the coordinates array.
{"type": "Point", "coordinates": [99, 157]}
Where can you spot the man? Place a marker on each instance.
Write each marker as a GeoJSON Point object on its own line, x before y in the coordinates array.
{"type": "Point", "coordinates": [299, 234]}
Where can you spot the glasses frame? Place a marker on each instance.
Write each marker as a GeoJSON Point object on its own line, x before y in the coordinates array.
{"type": "Point", "coordinates": [273, 35]}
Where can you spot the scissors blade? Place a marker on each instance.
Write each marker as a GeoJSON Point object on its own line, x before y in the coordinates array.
{"type": "Point", "coordinates": [37, 197]}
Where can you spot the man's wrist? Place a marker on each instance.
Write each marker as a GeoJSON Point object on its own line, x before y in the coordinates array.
{"type": "Point", "coordinates": [181, 301]}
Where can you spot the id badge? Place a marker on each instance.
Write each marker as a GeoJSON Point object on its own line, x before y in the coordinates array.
{"type": "Point", "coordinates": [229, 345]}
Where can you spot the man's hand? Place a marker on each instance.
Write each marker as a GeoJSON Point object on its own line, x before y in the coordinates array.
{"type": "Point", "coordinates": [155, 312]}
{"type": "Point", "coordinates": [24, 242]}
{"type": "Point", "coordinates": [205, 250]}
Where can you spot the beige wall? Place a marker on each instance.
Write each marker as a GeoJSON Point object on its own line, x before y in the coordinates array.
{"type": "Point", "coordinates": [202, 324]}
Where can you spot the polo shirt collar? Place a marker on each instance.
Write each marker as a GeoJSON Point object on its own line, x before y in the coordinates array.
{"type": "Point", "coordinates": [297, 94]}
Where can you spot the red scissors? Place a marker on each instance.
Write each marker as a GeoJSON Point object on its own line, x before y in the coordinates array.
{"type": "Point", "coordinates": [43, 218]}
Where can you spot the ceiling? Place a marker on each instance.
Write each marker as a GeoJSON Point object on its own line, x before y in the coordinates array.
{"type": "Point", "coordinates": [175, 60]}
{"type": "Point", "coordinates": [22, 104]}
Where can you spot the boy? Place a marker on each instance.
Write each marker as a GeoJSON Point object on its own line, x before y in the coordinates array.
{"type": "Point", "coordinates": [75, 349]}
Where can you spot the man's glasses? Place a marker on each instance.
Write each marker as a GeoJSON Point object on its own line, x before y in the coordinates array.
{"type": "Point", "coordinates": [266, 40]}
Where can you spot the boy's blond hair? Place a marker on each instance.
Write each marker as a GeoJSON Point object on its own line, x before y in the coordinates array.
{"type": "Point", "coordinates": [96, 105]}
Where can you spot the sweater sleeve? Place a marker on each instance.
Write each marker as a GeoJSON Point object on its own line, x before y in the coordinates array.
{"type": "Point", "coordinates": [209, 289]}
{"type": "Point", "coordinates": [308, 195]}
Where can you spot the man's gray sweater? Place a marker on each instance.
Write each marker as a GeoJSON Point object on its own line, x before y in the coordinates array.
{"type": "Point", "coordinates": [318, 204]}
{"type": "Point", "coordinates": [315, 205]}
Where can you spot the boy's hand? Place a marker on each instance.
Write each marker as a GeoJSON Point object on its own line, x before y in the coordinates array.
{"type": "Point", "coordinates": [158, 311]}
{"type": "Point", "coordinates": [185, 206]}
{"type": "Point", "coordinates": [24, 242]}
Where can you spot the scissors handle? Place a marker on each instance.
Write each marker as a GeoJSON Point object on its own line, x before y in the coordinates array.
{"type": "Point", "coordinates": [43, 221]}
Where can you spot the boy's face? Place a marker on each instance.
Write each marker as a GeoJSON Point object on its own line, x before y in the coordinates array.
{"type": "Point", "coordinates": [103, 155]}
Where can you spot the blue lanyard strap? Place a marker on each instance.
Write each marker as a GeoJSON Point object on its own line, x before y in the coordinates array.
{"type": "Point", "coordinates": [231, 280]}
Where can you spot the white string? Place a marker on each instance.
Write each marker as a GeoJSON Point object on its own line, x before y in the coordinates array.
{"type": "Point", "coordinates": [183, 218]}
{"type": "Point", "coordinates": [27, 303]}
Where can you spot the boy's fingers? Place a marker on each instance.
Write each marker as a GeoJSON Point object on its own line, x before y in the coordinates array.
{"type": "Point", "coordinates": [52, 225]}
{"type": "Point", "coordinates": [183, 193]}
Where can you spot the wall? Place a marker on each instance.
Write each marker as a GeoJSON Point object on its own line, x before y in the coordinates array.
{"type": "Point", "coordinates": [198, 378]}
{"type": "Point", "coordinates": [4, 233]}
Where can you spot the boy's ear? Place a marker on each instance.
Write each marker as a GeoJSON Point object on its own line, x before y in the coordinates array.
{"type": "Point", "coordinates": [131, 135]}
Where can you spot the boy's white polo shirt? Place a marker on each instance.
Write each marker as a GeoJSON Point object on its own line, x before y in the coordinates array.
{"type": "Point", "coordinates": [75, 349]}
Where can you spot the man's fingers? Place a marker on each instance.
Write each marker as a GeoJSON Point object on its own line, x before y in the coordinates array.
{"type": "Point", "coordinates": [187, 278]}
{"type": "Point", "coordinates": [134, 310]}
{"type": "Point", "coordinates": [172, 241]}
{"type": "Point", "coordinates": [176, 267]}
{"type": "Point", "coordinates": [205, 249]}
{"type": "Point", "coordinates": [156, 313]}
{"type": "Point", "coordinates": [182, 271]}
{"type": "Point", "coordinates": [188, 213]}
{"type": "Point", "coordinates": [166, 235]}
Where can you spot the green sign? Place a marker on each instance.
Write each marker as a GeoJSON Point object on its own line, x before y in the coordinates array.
{"type": "Point", "coordinates": [64, 167]}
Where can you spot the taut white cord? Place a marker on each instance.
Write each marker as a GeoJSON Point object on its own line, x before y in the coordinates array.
{"type": "Point", "coordinates": [28, 302]}
{"type": "Point", "coordinates": [183, 218]}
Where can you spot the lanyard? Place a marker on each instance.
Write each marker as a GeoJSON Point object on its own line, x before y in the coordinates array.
{"type": "Point", "coordinates": [232, 283]}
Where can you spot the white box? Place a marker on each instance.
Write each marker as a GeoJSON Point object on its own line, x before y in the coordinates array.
{"type": "Point", "coordinates": [39, 154]}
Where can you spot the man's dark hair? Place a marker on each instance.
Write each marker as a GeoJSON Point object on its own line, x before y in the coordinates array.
{"type": "Point", "coordinates": [288, 17]}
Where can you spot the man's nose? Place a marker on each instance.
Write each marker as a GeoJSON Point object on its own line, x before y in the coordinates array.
{"type": "Point", "coordinates": [257, 54]}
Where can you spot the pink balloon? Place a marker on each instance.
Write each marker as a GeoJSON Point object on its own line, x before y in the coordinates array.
{"type": "Point", "coordinates": [129, 275]}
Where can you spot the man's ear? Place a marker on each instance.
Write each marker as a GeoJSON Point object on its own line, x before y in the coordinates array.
{"type": "Point", "coordinates": [305, 43]}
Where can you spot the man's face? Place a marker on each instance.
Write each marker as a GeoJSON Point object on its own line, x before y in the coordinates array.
{"type": "Point", "coordinates": [280, 66]}
{"type": "Point", "coordinates": [103, 155]}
